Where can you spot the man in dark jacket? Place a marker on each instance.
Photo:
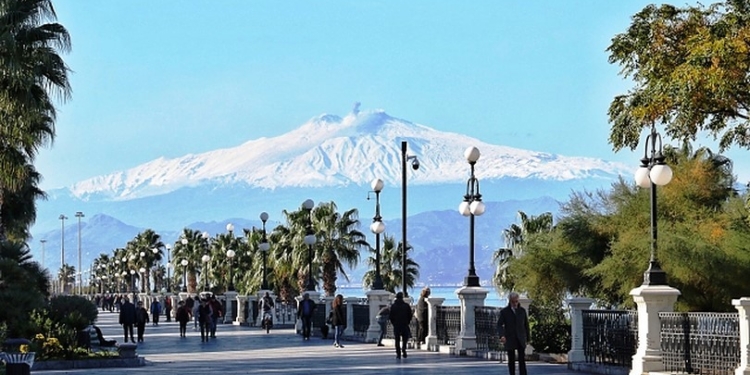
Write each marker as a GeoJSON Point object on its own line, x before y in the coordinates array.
{"type": "Point", "coordinates": [305, 312]}
{"type": "Point", "coordinates": [400, 316]}
{"type": "Point", "coordinates": [127, 318]}
{"type": "Point", "coordinates": [513, 328]}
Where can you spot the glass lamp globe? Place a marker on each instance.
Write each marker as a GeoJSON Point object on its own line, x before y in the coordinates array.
{"type": "Point", "coordinates": [308, 204]}
{"type": "Point", "coordinates": [477, 208]}
{"type": "Point", "coordinates": [230, 254]}
{"type": "Point", "coordinates": [377, 185]}
{"type": "Point", "coordinates": [142, 270]}
{"type": "Point", "coordinates": [205, 258]}
{"type": "Point", "coordinates": [132, 272]}
{"type": "Point", "coordinates": [205, 235]}
{"type": "Point", "coordinates": [463, 208]}
{"type": "Point", "coordinates": [142, 254]}
{"type": "Point", "coordinates": [264, 246]}
{"type": "Point", "coordinates": [184, 262]}
{"type": "Point", "coordinates": [264, 216]}
{"type": "Point", "coordinates": [377, 227]}
{"type": "Point", "coordinates": [184, 241]}
{"type": "Point", "coordinates": [310, 239]}
{"type": "Point", "coordinates": [230, 227]}
{"type": "Point", "coordinates": [472, 154]}
{"type": "Point", "coordinates": [154, 250]}
{"type": "Point", "coordinates": [660, 174]}
{"type": "Point", "coordinates": [642, 179]}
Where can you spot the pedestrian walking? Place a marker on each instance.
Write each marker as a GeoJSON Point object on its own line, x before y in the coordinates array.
{"type": "Point", "coordinates": [141, 318]}
{"type": "Point", "coordinates": [305, 312]}
{"type": "Point", "coordinates": [400, 318]}
{"type": "Point", "coordinates": [168, 308]}
{"type": "Point", "coordinates": [127, 318]}
{"type": "Point", "coordinates": [217, 312]}
{"type": "Point", "coordinates": [422, 315]}
{"type": "Point", "coordinates": [155, 311]}
{"type": "Point", "coordinates": [204, 319]}
{"type": "Point", "coordinates": [196, 304]}
{"type": "Point", "coordinates": [338, 320]}
{"type": "Point", "coordinates": [382, 319]}
{"type": "Point", "coordinates": [513, 328]}
{"type": "Point", "coordinates": [182, 316]}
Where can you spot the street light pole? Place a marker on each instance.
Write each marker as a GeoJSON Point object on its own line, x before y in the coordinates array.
{"type": "Point", "coordinates": [310, 239]}
{"type": "Point", "coordinates": [653, 171]}
{"type": "Point", "coordinates": [377, 227]}
{"type": "Point", "coordinates": [79, 215]}
{"type": "Point", "coordinates": [415, 166]}
{"type": "Point", "coordinates": [264, 247]}
{"type": "Point", "coordinates": [206, 258]}
{"type": "Point", "coordinates": [230, 255]}
{"type": "Point", "coordinates": [184, 275]}
{"type": "Point", "coordinates": [62, 249]}
{"type": "Point", "coordinates": [169, 266]}
{"type": "Point", "coordinates": [472, 206]}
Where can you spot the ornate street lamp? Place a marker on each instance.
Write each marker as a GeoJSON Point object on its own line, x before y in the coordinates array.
{"type": "Point", "coordinates": [205, 259]}
{"type": "Point", "coordinates": [309, 241]}
{"type": "Point", "coordinates": [155, 251]}
{"type": "Point", "coordinates": [415, 166]}
{"type": "Point", "coordinates": [143, 280]}
{"type": "Point", "coordinates": [377, 227]}
{"type": "Point", "coordinates": [79, 215]}
{"type": "Point", "coordinates": [471, 206]}
{"type": "Point", "coordinates": [230, 254]}
{"type": "Point", "coordinates": [653, 171]}
{"type": "Point", "coordinates": [62, 246]}
{"type": "Point", "coordinates": [184, 263]}
{"type": "Point", "coordinates": [169, 266]}
{"type": "Point", "coordinates": [132, 283]}
{"type": "Point", "coordinates": [264, 246]}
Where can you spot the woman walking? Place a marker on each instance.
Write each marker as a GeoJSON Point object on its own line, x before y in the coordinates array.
{"type": "Point", "coordinates": [204, 319]}
{"type": "Point", "coordinates": [338, 320]}
{"type": "Point", "coordinates": [141, 318]}
{"type": "Point", "coordinates": [183, 317]}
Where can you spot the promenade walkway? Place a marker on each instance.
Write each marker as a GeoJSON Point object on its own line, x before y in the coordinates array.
{"type": "Point", "coordinates": [248, 350]}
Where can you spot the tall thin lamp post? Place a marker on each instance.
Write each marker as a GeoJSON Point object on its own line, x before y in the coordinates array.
{"type": "Point", "coordinates": [310, 240]}
{"type": "Point", "coordinates": [154, 268]}
{"type": "Point", "coordinates": [205, 259]}
{"type": "Point", "coordinates": [79, 215]}
{"type": "Point", "coordinates": [377, 227]}
{"type": "Point", "coordinates": [62, 249]}
{"type": "Point", "coordinates": [415, 166]}
{"type": "Point", "coordinates": [230, 255]}
{"type": "Point", "coordinates": [472, 206]}
{"type": "Point", "coordinates": [652, 172]}
{"type": "Point", "coordinates": [169, 266]}
{"type": "Point", "coordinates": [264, 246]}
{"type": "Point", "coordinates": [184, 263]}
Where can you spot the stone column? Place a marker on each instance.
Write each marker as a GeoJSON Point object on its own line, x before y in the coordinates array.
{"type": "Point", "coordinates": [230, 299]}
{"type": "Point", "coordinates": [350, 302]}
{"type": "Point", "coordinates": [250, 300]}
{"type": "Point", "coordinates": [577, 305]}
{"type": "Point", "coordinates": [651, 300]}
{"type": "Point", "coordinates": [743, 307]}
{"type": "Point", "coordinates": [377, 300]}
{"type": "Point", "coordinates": [432, 340]}
{"type": "Point", "coordinates": [469, 297]}
{"type": "Point", "coordinates": [261, 294]}
{"type": "Point", "coordinates": [240, 319]}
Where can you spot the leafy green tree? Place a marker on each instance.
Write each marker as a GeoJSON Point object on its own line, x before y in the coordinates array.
{"type": "Point", "coordinates": [516, 238]}
{"type": "Point", "coordinates": [23, 285]}
{"type": "Point", "coordinates": [689, 67]}
{"type": "Point", "coordinates": [19, 206]}
{"type": "Point", "coordinates": [193, 251]}
{"type": "Point", "coordinates": [66, 277]}
{"type": "Point", "coordinates": [390, 266]}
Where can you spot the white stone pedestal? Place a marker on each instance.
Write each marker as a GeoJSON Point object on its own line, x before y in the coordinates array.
{"type": "Point", "coordinates": [350, 302]}
{"type": "Point", "coordinates": [377, 300]}
{"type": "Point", "coordinates": [432, 340]}
{"type": "Point", "coordinates": [229, 299]}
{"type": "Point", "coordinates": [240, 320]}
{"type": "Point", "coordinates": [577, 305]}
{"type": "Point", "coordinates": [651, 300]}
{"type": "Point", "coordinates": [469, 297]}
{"type": "Point", "coordinates": [743, 307]}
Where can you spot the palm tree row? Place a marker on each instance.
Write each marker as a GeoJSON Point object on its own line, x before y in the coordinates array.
{"type": "Point", "coordinates": [203, 263]}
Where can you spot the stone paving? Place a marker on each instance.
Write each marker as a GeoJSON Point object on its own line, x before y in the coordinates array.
{"type": "Point", "coordinates": [245, 350]}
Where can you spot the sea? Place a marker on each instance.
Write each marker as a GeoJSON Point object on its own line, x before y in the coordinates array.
{"type": "Point", "coordinates": [494, 298]}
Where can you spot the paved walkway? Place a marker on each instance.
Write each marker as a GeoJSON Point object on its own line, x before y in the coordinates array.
{"type": "Point", "coordinates": [244, 350]}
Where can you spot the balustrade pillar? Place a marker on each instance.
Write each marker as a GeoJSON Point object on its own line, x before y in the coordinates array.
{"type": "Point", "coordinates": [241, 308]}
{"type": "Point", "coordinates": [743, 307]}
{"type": "Point", "coordinates": [651, 300]}
{"type": "Point", "coordinates": [431, 341]}
{"type": "Point", "coordinates": [577, 305]}
{"type": "Point", "coordinates": [377, 299]}
{"type": "Point", "coordinates": [469, 297]}
{"type": "Point", "coordinates": [230, 299]}
{"type": "Point", "coordinates": [350, 302]}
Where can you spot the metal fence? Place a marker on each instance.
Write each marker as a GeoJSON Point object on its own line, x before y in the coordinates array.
{"type": "Point", "coordinates": [705, 343]}
{"type": "Point", "coordinates": [361, 319]}
{"type": "Point", "coordinates": [285, 313]}
{"type": "Point", "coordinates": [485, 326]}
{"type": "Point", "coordinates": [319, 319]}
{"type": "Point", "coordinates": [610, 336]}
{"type": "Point", "coordinates": [448, 322]}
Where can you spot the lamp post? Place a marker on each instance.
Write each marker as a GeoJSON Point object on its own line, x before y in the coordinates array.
{"type": "Point", "coordinates": [132, 283]}
{"type": "Point", "coordinates": [169, 266]}
{"type": "Point", "coordinates": [143, 288]}
{"type": "Point", "coordinates": [653, 171]}
{"type": "Point", "coordinates": [415, 166]}
{"type": "Point", "coordinates": [264, 246]}
{"type": "Point", "coordinates": [377, 227]}
{"type": "Point", "coordinates": [230, 255]}
{"type": "Point", "coordinates": [310, 239]}
{"type": "Point", "coordinates": [62, 239]}
{"type": "Point", "coordinates": [471, 206]}
{"type": "Point", "coordinates": [79, 215]}
{"type": "Point", "coordinates": [205, 259]}
{"type": "Point", "coordinates": [184, 275]}
{"type": "Point", "coordinates": [153, 274]}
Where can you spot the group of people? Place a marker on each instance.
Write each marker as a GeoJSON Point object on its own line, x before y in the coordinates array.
{"type": "Point", "coordinates": [206, 313]}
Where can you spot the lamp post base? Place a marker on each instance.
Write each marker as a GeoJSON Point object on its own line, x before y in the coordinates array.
{"type": "Point", "coordinates": [654, 275]}
{"type": "Point", "coordinates": [471, 280]}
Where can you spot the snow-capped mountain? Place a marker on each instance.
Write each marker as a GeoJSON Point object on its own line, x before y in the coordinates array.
{"type": "Point", "coordinates": [331, 151]}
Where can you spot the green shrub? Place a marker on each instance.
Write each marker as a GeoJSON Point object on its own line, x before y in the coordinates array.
{"type": "Point", "coordinates": [550, 329]}
{"type": "Point", "coordinates": [74, 311]}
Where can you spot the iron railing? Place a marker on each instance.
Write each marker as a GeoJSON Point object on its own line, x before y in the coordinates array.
{"type": "Point", "coordinates": [448, 322]}
{"type": "Point", "coordinates": [485, 327]}
{"type": "Point", "coordinates": [285, 313]}
{"type": "Point", "coordinates": [361, 317]}
{"type": "Point", "coordinates": [700, 343]}
{"type": "Point", "coordinates": [319, 319]}
{"type": "Point", "coordinates": [610, 336]}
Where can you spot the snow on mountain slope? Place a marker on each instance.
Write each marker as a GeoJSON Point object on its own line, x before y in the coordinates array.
{"type": "Point", "coordinates": [332, 151]}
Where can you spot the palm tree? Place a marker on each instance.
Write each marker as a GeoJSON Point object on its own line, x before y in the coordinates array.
{"type": "Point", "coordinates": [515, 238]}
{"type": "Point", "coordinates": [18, 212]}
{"type": "Point", "coordinates": [66, 276]}
{"type": "Point", "coordinates": [146, 249]}
{"type": "Point", "coordinates": [193, 251]}
{"type": "Point", "coordinates": [339, 242]}
{"type": "Point", "coordinates": [283, 266]}
{"type": "Point", "coordinates": [32, 72]}
{"type": "Point", "coordinates": [290, 246]}
{"type": "Point", "coordinates": [390, 266]}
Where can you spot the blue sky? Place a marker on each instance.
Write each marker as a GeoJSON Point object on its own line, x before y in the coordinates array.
{"type": "Point", "coordinates": [168, 78]}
